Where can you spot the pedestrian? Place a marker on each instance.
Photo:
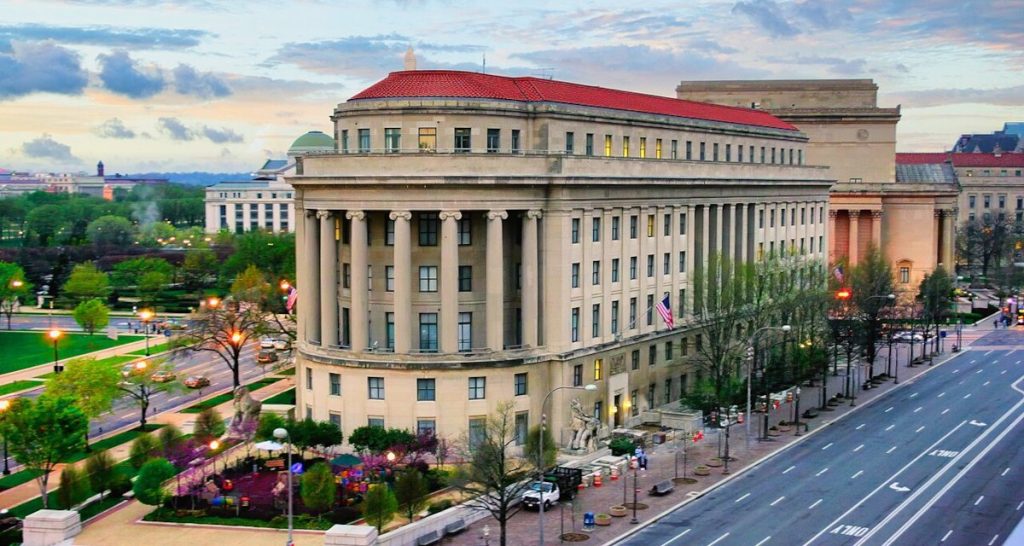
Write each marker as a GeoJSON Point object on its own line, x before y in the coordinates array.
{"type": "Point", "coordinates": [995, 324]}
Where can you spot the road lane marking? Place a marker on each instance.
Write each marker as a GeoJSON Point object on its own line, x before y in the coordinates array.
{"type": "Point", "coordinates": [941, 394]}
{"type": "Point", "coordinates": [817, 502]}
{"type": "Point", "coordinates": [1019, 505]}
{"type": "Point", "coordinates": [826, 447]}
{"type": "Point", "coordinates": [675, 538]}
{"type": "Point", "coordinates": [979, 371]}
{"type": "Point", "coordinates": [956, 371]}
{"type": "Point", "coordinates": [993, 541]}
{"type": "Point", "coordinates": [860, 426]}
{"type": "Point", "coordinates": [884, 483]}
{"type": "Point", "coordinates": [858, 448]}
{"type": "Point", "coordinates": [1002, 372]}
{"type": "Point", "coordinates": [1004, 472]}
{"type": "Point", "coordinates": [741, 498]}
{"type": "Point", "coordinates": [891, 449]}
{"type": "Point", "coordinates": [945, 536]}
{"type": "Point", "coordinates": [977, 502]}
{"type": "Point", "coordinates": [966, 396]}
{"type": "Point", "coordinates": [859, 472]}
{"type": "Point", "coordinates": [913, 395]}
{"type": "Point", "coordinates": [717, 540]}
{"type": "Point", "coordinates": [774, 502]}
{"type": "Point", "coordinates": [788, 469]}
{"type": "Point", "coordinates": [960, 383]}
{"type": "Point", "coordinates": [890, 427]}
{"type": "Point", "coordinates": [823, 470]}
{"type": "Point", "coordinates": [918, 409]}
{"type": "Point", "coordinates": [944, 411]}
{"type": "Point", "coordinates": [890, 409]}
{"type": "Point", "coordinates": [985, 384]}
{"type": "Point", "coordinates": [920, 428]}
{"type": "Point", "coordinates": [986, 354]}
{"type": "Point", "coordinates": [766, 539]}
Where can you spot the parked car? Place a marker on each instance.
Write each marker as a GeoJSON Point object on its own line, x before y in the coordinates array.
{"type": "Point", "coordinates": [560, 483]}
{"type": "Point", "coordinates": [266, 356]}
{"type": "Point", "coordinates": [908, 336]}
{"type": "Point", "coordinates": [197, 381]}
{"type": "Point", "coordinates": [163, 376]}
{"type": "Point", "coordinates": [266, 342]}
{"type": "Point", "coordinates": [281, 344]}
{"type": "Point", "coordinates": [133, 368]}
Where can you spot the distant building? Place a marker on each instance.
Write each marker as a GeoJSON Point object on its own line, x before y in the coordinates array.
{"type": "Point", "coordinates": [267, 200]}
{"type": "Point", "coordinates": [992, 184]}
{"type": "Point", "coordinates": [1009, 140]}
{"type": "Point", "coordinates": [97, 185]}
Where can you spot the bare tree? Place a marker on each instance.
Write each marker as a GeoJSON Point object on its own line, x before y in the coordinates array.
{"type": "Point", "coordinates": [985, 242]}
{"type": "Point", "coordinates": [223, 328]}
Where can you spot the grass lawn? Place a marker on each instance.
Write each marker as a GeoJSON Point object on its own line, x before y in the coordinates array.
{"type": "Point", "coordinates": [221, 398]}
{"type": "Point", "coordinates": [286, 397]}
{"type": "Point", "coordinates": [26, 349]}
{"type": "Point", "coordinates": [19, 385]}
{"type": "Point", "coordinates": [28, 507]}
{"type": "Point", "coordinates": [153, 349]}
{"type": "Point", "coordinates": [112, 441]}
{"type": "Point", "coordinates": [162, 514]}
{"type": "Point", "coordinates": [286, 371]}
{"type": "Point", "coordinates": [18, 478]}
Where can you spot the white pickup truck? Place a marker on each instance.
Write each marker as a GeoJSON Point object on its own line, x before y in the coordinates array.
{"type": "Point", "coordinates": [541, 492]}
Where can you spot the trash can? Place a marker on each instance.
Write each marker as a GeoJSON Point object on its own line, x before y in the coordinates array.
{"type": "Point", "coordinates": [588, 521]}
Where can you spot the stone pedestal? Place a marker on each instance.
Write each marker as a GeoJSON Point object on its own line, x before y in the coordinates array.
{"type": "Point", "coordinates": [49, 527]}
{"type": "Point", "coordinates": [350, 535]}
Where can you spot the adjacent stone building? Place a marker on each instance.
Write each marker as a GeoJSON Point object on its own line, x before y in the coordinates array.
{"type": "Point", "coordinates": [476, 239]}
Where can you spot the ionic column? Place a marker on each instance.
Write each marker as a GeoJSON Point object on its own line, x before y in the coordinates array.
{"type": "Point", "coordinates": [876, 228]}
{"type": "Point", "coordinates": [311, 291]}
{"type": "Point", "coordinates": [530, 293]}
{"type": "Point", "coordinates": [359, 292]}
{"type": "Point", "coordinates": [740, 214]}
{"type": "Point", "coordinates": [830, 236]}
{"type": "Point", "coordinates": [329, 279]}
{"type": "Point", "coordinates": [403, 281]}
{"type": "Point", "coordinates": [495, 281]}
{"type": "Point", "coordinates": [854, 247]}
{"type": "Point", "coordinates": [449, 280]}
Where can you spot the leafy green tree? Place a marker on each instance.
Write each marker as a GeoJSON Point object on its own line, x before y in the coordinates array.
{"type": "Point", "coordinates": [91, 385]}
{"type": "Point", "coordinates": [111, 231]}
{"type": "Point", "coordinates": [149, 485]}
{"type": "Point", "coordinates": [73, 488]}
{"type": "Point", "coordinates": [44, 223]}
{"type": "Point", "coordinates": [251, 285]}
{"type": "Point", "coordinates": [129, 273]}
{"type": "Point", "coordinates": [199, 268]}
{"type": "Point", "coordinates": [935, 295]}
{"type": "Point", "coordinates": [140, 386]}
{"type": "Point", "coordinates": [719, 307]}
{"type": "Point", "coordinates": [143, 448]}
{"type": "Point", "coordinates": [170, 439]}
{"type": "Point", "coordinates": [379, 505]}
{"type": "Point", "coordinates": [871, 282]}
{"type": "Point", "coordinates": [92, 315]}
{"type": "Point", "coordinates": [318, 488]}
{"type": "Point", "coordinates": [99, 468]}
{"type": "Point", "coordinates": [275, 253]}
{"type": "Point", "coordinates": [268, 423]}
{"type": "Point", "coordinates": [411, 491]}
{"type": "Point", "coordinates": [151, 284]}
{"type": "Point", "coordinates": [43, 432]}
{"type": "Point", "coordinates": [532, 447]}
{"type": "Point", "coordinates": [209, 426]}
{"type": "Point", "coordinates": [87, 282]}
{"type": "Point", "coordinates": [13, 286]}
{"type": "Point", "coordinates": [378, 439]}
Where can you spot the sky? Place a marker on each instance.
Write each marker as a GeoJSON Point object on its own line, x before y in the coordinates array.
{"type": "Point", "coordinates": [209, 85]}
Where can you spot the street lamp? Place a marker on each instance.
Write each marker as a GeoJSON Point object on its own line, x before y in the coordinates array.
{"type": "Point", "coordinates": [214, 444]}
{"type": "Point", "coordinates": [540, 447]}
{"type": "Point", "coordinates": [282, 434]}
{"type": "Point", "coordinates": [753, 339]}
{"type": "Point", "coordinates": [4, 406]}
{"type": "Point", "coordinates": [145, 316]}
{"type": "Point", "coordinates": [54, 335]}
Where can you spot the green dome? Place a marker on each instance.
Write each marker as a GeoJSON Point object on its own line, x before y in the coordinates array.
{"type": "Point", "coordinates": [313, 141]}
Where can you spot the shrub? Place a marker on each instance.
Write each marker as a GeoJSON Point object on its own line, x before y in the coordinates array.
{"type": "Point", "coordinates": [411, 491]}
{"type": "Point", "coordinates": [170, 438]}
{"type": "Point", "coordinates": [318, 488]}
{"type": "Point", "coordinates": [622, 446]}
{"type": "Point", "coordinates": [143, 448]}
{"type": "Point", "coordinates": [100, 470]}
{"type": "Point", "coordinates": [439, 506]}
{"type": "Point", "coordinates": [209, 426]}
{"type": "Point", "coordinates": [73, 488]}
{"type": "Point", "coordinates": [149, 485]}
{"type": "Point", "coordinates": [379, 505]}
{"type": "Point", "coordinates": [120, 484]}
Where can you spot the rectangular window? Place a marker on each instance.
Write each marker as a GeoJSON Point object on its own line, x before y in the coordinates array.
{"type": "Point", "coordinates": [650, 265]}
{"type": "Point", "coordinates": [575, 230]}
{"type": "Point", "coordinates": [493, 140]}
{"type": "Point", "coordinates": [760, 219]}
{"type": "Point", "coordinates": [668, 390]}
{"type": "Point", "coordinates": [268, 216]}
{"type": "Point", "coordinates": [634, 409]}
{"type": "Point", "coordinates": [791, 156]}
{"type": "Point", "coordinates": [682, 261]}
{"type": "Point", "coordinates": [477, 388]}
{"type": "Point", "coordinates": [799, 157]}
{"type": "Point", "coordinates": [803, 215]}
{"type": "Point", "coordinates": [575, 324]}
{"type": "Point", "coordinates": [428, 278]}
{"type": "Point", "coordinates": [346, 275]}
{"type": "Point", "coordinates": [427, 139]}
{"type": "Point", "coordinates": [569, 144]}
{"type": "Point", "coordinates": [515, 141]}
{"type": "Point", "coordinates": [681, 307]}
{"type": "Point", "coordinates": [520, 384]}
{"type": "Point", "coordinates": [714, 151]}
{"type": "Point", "coordinates": [309, 379]}
{"type": "Point", "coordinates": [1002, 201]}
{"type": "Point", "coordinates": [643, 147]}
{"type": "Point", "coordinates": [428, 332]}
{"type": "Point", "coordinates": [633, 226]}
{"type": "Point", "coordinates": [465, 227]}
{"type": "Point", "coordinates": [682, 223]}
{"type": "Point", "coordinates": [375, 422]}
{"type": "Point", "coordinates": [632, 313]}
{"type": "Point", "coordinates": [615, 270]}
{"type": "Point", "coordinates": [590, 144]}
{"type": "Point", "coordinates": [598, 369]}
{"type": "Point", "coordinates": [650, 225]}
{"type": "Point", "coordinates": [224, 216]}
{"type": "Point", "coordinates": [703, 148]}
{"type": "Point", "coordinates": [392, 140]}
{"type": "Point", "coordinates": [652, 355]}
{"type": "Point", "coordinates": [657, 148]}
{"type": "Point", "coordinates": [595, 272]}
{"type": "Point", "coordinates": [689, 150]}
{"type": "Point", "coordinates": [595, 320]}
{"type": "Point", "coordinates": [728, 152]}
{"type": "Point", "coordinates": [615, 317]}
{"type": "Point", "coordinates": [522, 424]}
{"type": "Point", "coordinates": [771, 218]}
{"type": "Point", "coordinates": [625, 146]}
{"type": "Point", "coordinates": [634, 359]}
{"type": "Point", "coordinates": [607, 145]}
{"type": "Point", "coordinates": [782, 218]}
{"type": "Point", "coordinates": [632, 268]}
{"type": "Point", "coordinates": [428, 225]}
{"type": "Point", "coordinates": [575, 269]}
{"type": "Point", "coordinates": [773, 155]}
{"type": "Point", "coordinates": [650, 396]}
{"type": "Point", "coordinates": [675, 149]}
{"type": "Point", "coordinates": [465, 332]}
{"type": "Point", "coordinates": [666, 261]}
{"type": "Point", "coordinates": [988, 201]}
{"type": "Point", "coordinates": [389, 278]}
{"type": "Point", "coordinates": [426, 427]}
{"type": "Point", "coordinates": [462, 139]}
{"type": "Point", "coordinates": [666, 227]}
{"type": "Point", "coordinates": [739, 153]}
{"type": "Point", "coordinates": [335, 419]}
{"type": "Point", "coordinates": [650, 309]}
{"type": "Point", "coordinates": [904, 275]}
{"type": "Point", "coordinates": [389, 331]}
{"type": "Point", "coordinates": [762, 154]}
{"type": "Point", "coordinates": [376, 387]}
{"type": "Point", "coordinates": [577, 375]}
{"type": "Point", "coordinates": [595, 229]}
{"type": "Point", "coordinates": [477, 431]}
{"type": "Point", "coordinates": [426, 390]}
{"type": "Point", "coordinates": [615, 227]}
{"type": "Point", "coordinates": [344, 141]}
{"type": "Point", "coordinates": [668, 351]}
{"type": "Point", "coordinates": [364, 141]}
{"type": "Point", "coordinates": [465, 278]}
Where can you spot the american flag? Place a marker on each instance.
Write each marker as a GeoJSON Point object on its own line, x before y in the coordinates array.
{"type": "Point", "coordinates": [838, 273]}
{"type": "Point", "coordinates": [293, 295]}
{"type": "Point", "coordinates": [664, 308]}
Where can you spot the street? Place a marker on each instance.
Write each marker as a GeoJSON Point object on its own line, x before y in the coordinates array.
{"type": "Point", "coordinates": [933, 462]}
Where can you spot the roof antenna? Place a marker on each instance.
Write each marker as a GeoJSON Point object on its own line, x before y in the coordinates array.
{"type": "Point", "coordinates": [485, 62]}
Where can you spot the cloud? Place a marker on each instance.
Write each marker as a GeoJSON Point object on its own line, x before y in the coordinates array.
{"type": "Point", "coordinates": [47, 148]}
{"type": "Point", "coordinates": [845, 67]}
{"type": "Point", "coordinates": [175, 129]}
{"type": "Point", "coordinates": [704, 44]}
{"type": "Point", "coordinates": [823, 15]}
{"type": "Point", "coordinates": [40, 67]}
{"type": "Point", "coordinates": [222, 135]}
{"type": "Point", "coordinates": [1002, 96]}
{"type": "Point", "coordinates": [135, 38]}
{"type": "Point", "coordinates": [767, 14]}
{"type": "Point", "coordinates": [114, 128]}
{"type": "Point", "coordinates": [119, 74]}
{"type": "Point", "coordinates": [189, 82]}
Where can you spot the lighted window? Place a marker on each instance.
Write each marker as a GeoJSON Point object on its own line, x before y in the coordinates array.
{"type": "Point", "coordinates": [598, 369]}
{"type": "Point", "coordinates": [643, 147]}
{"type": "Point", "coordinates": [625, 146]}
{"type": "Point", "coordinates": [657, 149]}
{"type": "Point", "coordinates": [607, 145]}
{"type": "Point", "coordinates": [650, 225]}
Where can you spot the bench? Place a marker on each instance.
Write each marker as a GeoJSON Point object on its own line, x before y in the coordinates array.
{"type": "Point", "coordinates": [274, 464]}
{"type": "Point", "coordinates": [662, 488]}
{"type": "Point", "coordinates": [455, 527]}
{"type": "Point", "coordinates": [430, 538]}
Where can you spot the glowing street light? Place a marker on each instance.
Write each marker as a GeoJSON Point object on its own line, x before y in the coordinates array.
{"type": "Point", "coordinates": [146, 316]}
{"type": "Point", "coordinates": [54, 334]}
{"type": "Point", "coordinates": [4, 406]}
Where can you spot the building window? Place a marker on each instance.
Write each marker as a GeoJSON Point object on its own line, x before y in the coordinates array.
{"type": "Point", "coordinates": [650, 309]}
{"type": "Point", "coordinates": [576, 275]}
{"type": "Point", "coordinates": [595, 273]}
{"type": "Point", "coordinates": [739, 153]}
{"type": "Point", "coordinates": [668, 351]}
{"type": "Point", "coordinates": [714, 151]}
{"type": "Point", "coordinates": [632, 268]}
{"type": "Point", "coordinates": [665, 263]}
{"type": "Point", "coordinates": [607, 145]}
{"type": "Point", "coordinates": [668, 390]}
{"type": "Point", "coordinates": [335, 419]}
{"type": "Point", "coordinates": [346, 275]}
{"type": "Point", "coordinates": [652, 355]}
{"type": "Point", "coordinates": [595, 229]}
{"type": "Point", "coordinates": [650, 396]}
{"type": "Point", "coordinates": [684, 347]}
{"type": "Point", "coordinates": [634, 410]}
{"type": "Point", "coordinates": [522, 424]}
{"type": "Point", "coordinates": [462, 139]}
{"type": "Point", "coordinates": [666, 228]}
{"type": "Point", "coordinates": [224, 216]}
{"type": "Point", "coordinates": [465, 332]}
{"type": "Point", "coordinates": [762, 154]}
{"type": "Point", "coordinates": [615, 227]}
{"type": "Point", "coordinates": [389, 278]}
{"type": "Point", "coordinates": [428, 278]}
{"type": "Point", "coordinates": [377, 422]}
{"type": "Point", "coordinates": [771, 218]}
{"type": "Point", "coordinates": [427, 141]}
{"type": "Point", "coordinates": [703, 148]}
{"type": "Point", "coordinates": [650, 225]}
{"type": "Point", "coordinates": [625, 146]}
{"type": "Point", "coordinates": [760, 219]}
{"type": "Point", "coordinates": [595, 320]}
{"type": "Point", "coordinates": [477, 388]}
{"type": "Point", "coordinates": [465, 227]}
{"type": "Point", "coordinates": [590, 144]}
{"type": "Point", "coordinates": [515, 141]}
{"type": "Point", "coordinates": [988, 200]}
{"type": "Point", "coordinates": [598, 369]}
{"type": "Point", "coordinates": [335, 382]}
{"type": "Point", "coordinates": [657, 148]}
{"type": "Point", "coordinates": [520, 384]}
{"type": "Point", "coordinates": [392, 140]}
{"type": "Point", "coordinates": [493, 140]}
{"type": "Point", "coordinates": [650, 265]}
{"type": "Point", "coordinates": [389, 331]}
{"type": "Point", "coordinates": [675, 149]}
{"type": "Point", "coordinates": [465, 278]}
{"type": "Point", "coordinates": [782, 218]}
{"type": "Point", "coordinates": [569, 144]}
{"type": "Point", "coordinates": [428, 224]}
{"type": "Point", "coordinates": [364, 141]}
{"type": "Point", "coordinates": [309, 379]}
{"type": "Point", "coordinates": [344, 141]}
{"type": "Point", "coordinates": [632, 314]}
{"type": "Point", "coordinates": [428, 332]}
{"type": "Point", "coordinates": [682, 261]}
{"type": "Point", "coordinates": [575, 230]}
{"type": "Point", "coordinates": [682, 223]}
{"type": "Point", "coordinates": [426, 427]}
{"type": "Point", "coordinates": [634, 359]}
{"type": "Point", "coordinates": [615, 317]}
{"type": "Point", "coordinates": [376, 387]}
{"type": "Point", "coordinates": [477, 431]}
{"type": "Point", "coordinates": [615, 270]}
{"type": "Point", "coordinates": [1020, 203]}
{"type": "Point", "coordinates": [575, 324]}
{"type": "Point", "coordinates": [1002, 201]}
{"type": "Point", "coordinates": [643, 147]}
{"type": "Point", "coordinates": [904, 275]}
{"type": "Point", "coordinates": [633, 220]}
{"type": "Point", "coordinates": [425, 390]}
{"type": "Point", "coordinates": [577, 375]}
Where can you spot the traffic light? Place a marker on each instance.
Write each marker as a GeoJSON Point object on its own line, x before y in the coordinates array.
{"type": "Point", "coordinates": [843, 294]}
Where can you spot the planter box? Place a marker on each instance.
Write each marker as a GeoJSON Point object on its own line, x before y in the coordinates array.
{"type": "Point", "coordinates": [618, 511]}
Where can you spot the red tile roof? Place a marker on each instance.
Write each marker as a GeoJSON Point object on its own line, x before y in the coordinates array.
{"type": "Point", "coordinates": [452, 83]}
{"type": "Point", "coordinates": [921, 158]}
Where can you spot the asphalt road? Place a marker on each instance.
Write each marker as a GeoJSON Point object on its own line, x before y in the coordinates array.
{"type": "Point", "coordinates": [935, 462]}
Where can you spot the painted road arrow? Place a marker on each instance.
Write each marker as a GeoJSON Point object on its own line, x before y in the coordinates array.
{"type": "Point", "coordinates": [895, 486]}
{"type": "Point", "coordinates": [977, 423]}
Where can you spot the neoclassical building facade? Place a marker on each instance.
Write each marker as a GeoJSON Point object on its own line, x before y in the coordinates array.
{"type": "Point", "coordinates": [478, 239]}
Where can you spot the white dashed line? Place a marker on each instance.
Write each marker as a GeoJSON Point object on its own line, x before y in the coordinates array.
{"type": "Point", "coordinates": [918, 409]}
{"type": "Point", "coordinates": [1019, 505]}
{"type": "Point", "coordinates": [860, 426]}
{"type": "Point", "coordinates": [717, 540]}
{"type": "Point", "coordinates": [1002, 372]}
{"type": "Point", "coordinates": [941, 394]}
{"type": "Point", "coordinates": [1004, 472]}
{"type": "Point", "coordinates": [913, 395]}
{"type": "Point", "coordinates": [859, 472]}
{"type": "Point", "coordinates": [920, 428]}
{"type": "Point", "coordinates": [774, 502]}
{"type": "Point", "coordinates": [979, 371]}
{"type": "Point", "coordinates": [966, 396]}
{"type": "Point", "coordinates": [677, 537]}
{"type": "Point", "coordinates": [766, 539]}
{"type": "Point", "coordinates": [823, 470]}
{"type": "Point", "coordinates": [977, 502]}
{"type": "Point", "coordinates": [890, 427]}
{"type": "Point", "coordinates": [944, 411]}
{"type": "Point", "coordinates": [945, 536]}
{"type": "Point", "coordinates": [891, 449]}
{"type": "Point", "coordinates": [817, 502]}
{"type": "Point", "coordinates": [993, 541]}
{"type": "Point", "coordinates": [890, 409]}
{"type": "Point", "coordinates": [827, 446]}
{"type": "Point", "coordinates": [741, 498]}
{"type": "Point", "coordinates": [956, 371]}
{"type": "Point", "coordinates": [858, 448]}
{"type": "Point", "coordinates": [788, 469]}
{"type": "Point", "coordinates": [985, 384]}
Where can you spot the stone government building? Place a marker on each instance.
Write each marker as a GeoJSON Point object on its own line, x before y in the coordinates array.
{"type": "Point", "coordinates": [476, 239]}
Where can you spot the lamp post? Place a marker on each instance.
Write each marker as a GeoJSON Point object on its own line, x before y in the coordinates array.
{"type": "Point", "coordinates": [4, 406]}
{"type": "Point", "coordinates": [540, 456]}
{"type": "Point", "coordinates": [145, 316]}
{"type": "Point", "coordinates": [282, 434]}
{"type": "Point", "coordinates": [753, 341]}
{"type": "Point", "coordinates": [54, 335]}
{"type": "Point", "coordinates": [636, 490]}
{"type": "Point", "coordinates": [214, 444]}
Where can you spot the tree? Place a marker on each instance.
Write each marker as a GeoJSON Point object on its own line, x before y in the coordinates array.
{"type": "Point", "coordinates": [379, 505]}
{"type": "Point", "coordinates": [871, 282]}
{"type": "Point", "coordinates": [935, 296]}
{"type": "Point", "coordinates": [170, 439]}
{"type": "Point", "coordinates": [251, 285]}
{"type": "Point", "coordinates": [99, 468]}
{"type": "Point", "coordinates": [140, 386]}
{"type": "Point", "coordinates": [209, 426]}
{"type": "Point", "coordinates": [324, 435]}
{"type": "Point", "coordinates": [985, 241]}
{"type": "Point", "coordinates": [411, 491]}
{"type": "Point", "coordinates": [223, 328]}
{"type": "Point", "coordinates": [73, 488]}
{"type": "Point", "coordinates": [718, 309]}
{"type": "Point", "coordinates": [87, 282]}
{"type": "Point", "coordinates": [45, 223]}
{"type": "Point", "coordinates": [92, 315]}
{"type": "Point", "coordinates": [378, 439]}
{"type": "Point", "coordinates": [151, 284]}
{"type": "Point", "coordinates": [91, 385]}
{"type": "Point", "coordinates": [43, 432]}
{"type": "Point", "coordinates": [318, 488]}
{"type": "Point", "coordinates": [12, 287]}
{"type": "Point", "coordinates": [110, 231]}
{"type": "Point", "coordinates": [199, 268]}
{"type": "Point", "coordinates": [273, 252]}
{"type": "Point", "coordinates": [532, 447]}
{"type": "Point", "coordinates": [269, 422]}
{"type": "Point", "coordinates": [495, 478]}
{"type": "Point", "coordinates": [142, 449]}
{"type": "Point", "coordinates": [149, 485]}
